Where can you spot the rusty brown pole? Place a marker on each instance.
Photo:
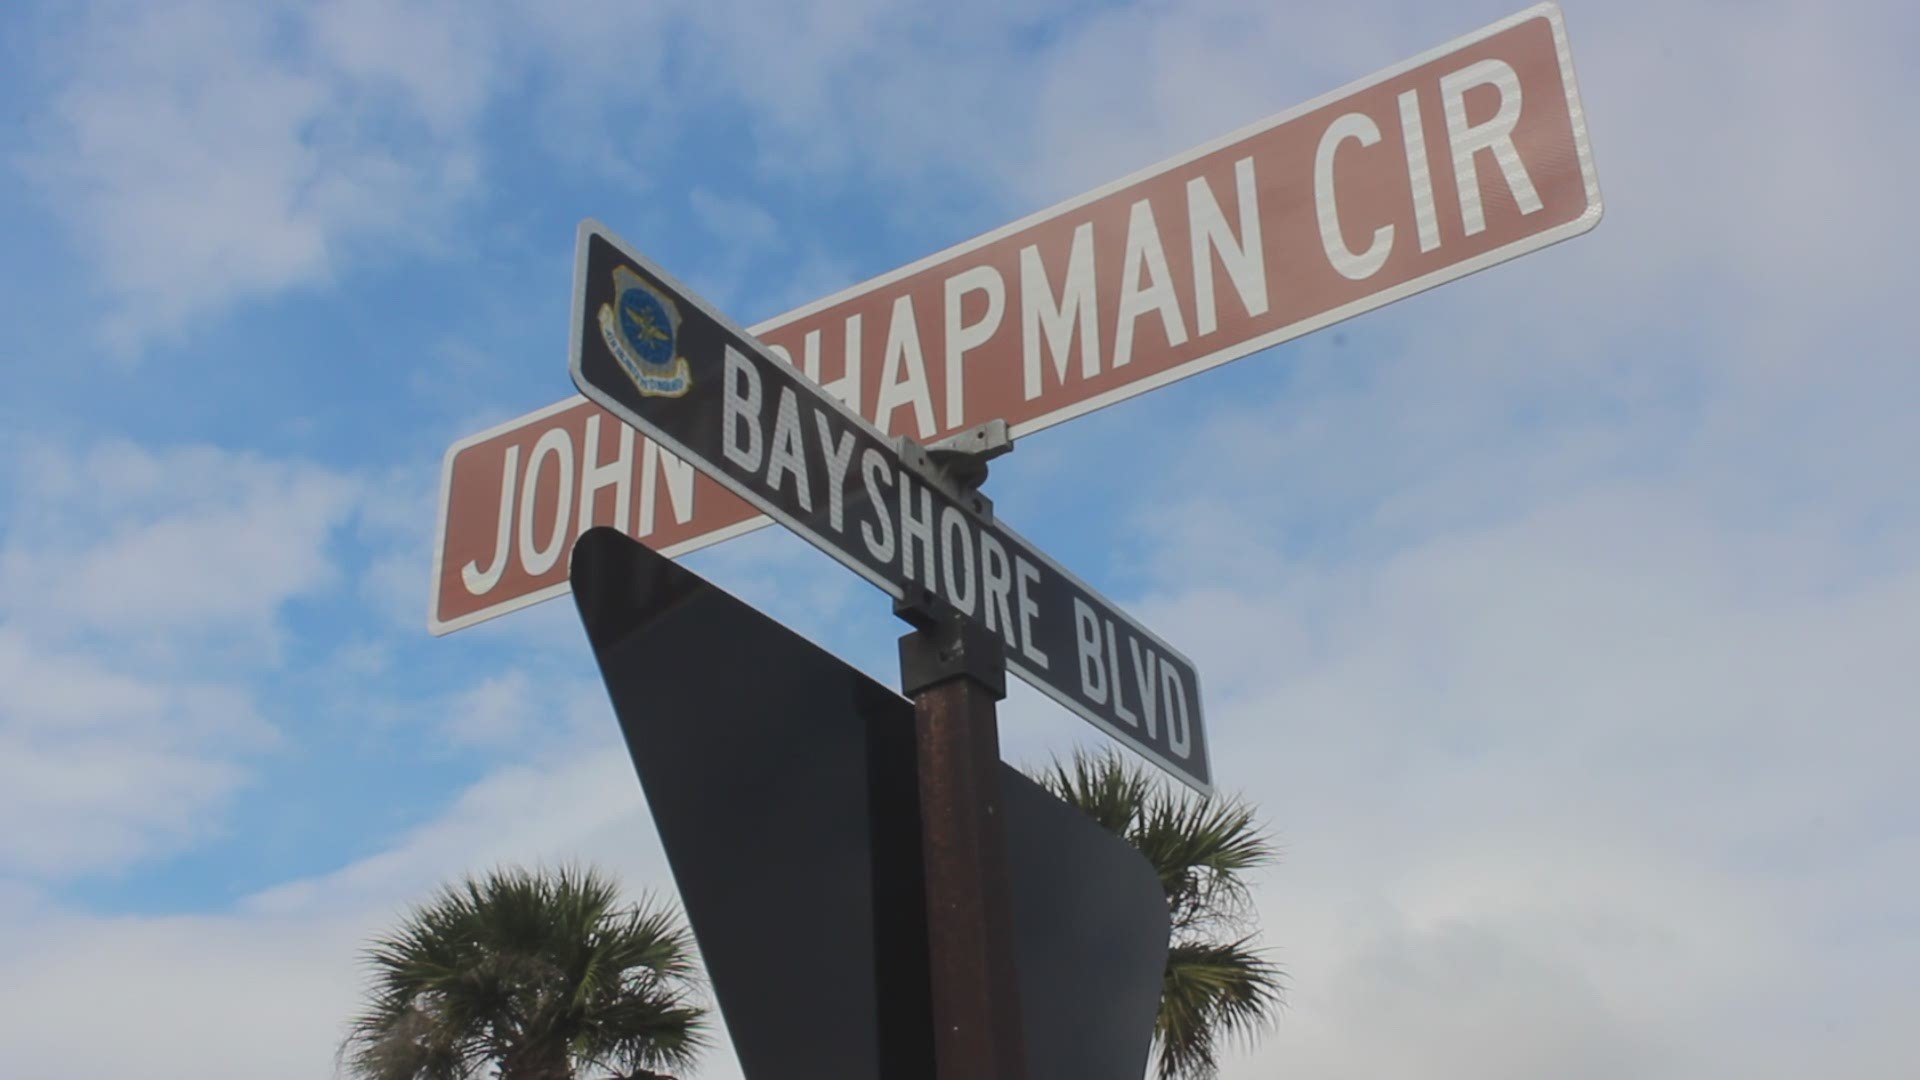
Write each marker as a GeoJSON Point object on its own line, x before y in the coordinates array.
{"type": "Point", "coordinates": [955, 672]}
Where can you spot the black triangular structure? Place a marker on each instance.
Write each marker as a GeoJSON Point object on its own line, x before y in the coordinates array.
{"type": "Point", "coordinates": [782, 783]}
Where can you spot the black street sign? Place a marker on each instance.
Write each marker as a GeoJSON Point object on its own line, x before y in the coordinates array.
{"type": "Point", "coordinates": [652, 353]}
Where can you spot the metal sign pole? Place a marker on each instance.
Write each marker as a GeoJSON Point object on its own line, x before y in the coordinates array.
{"type": "Point", "coordinates": [954, 671]}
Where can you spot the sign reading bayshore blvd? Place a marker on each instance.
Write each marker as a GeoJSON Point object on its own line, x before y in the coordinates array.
{"type": "Point", "coordinates": [1466, 156]}
{"type": "Point", "coordinates": [658, 358]}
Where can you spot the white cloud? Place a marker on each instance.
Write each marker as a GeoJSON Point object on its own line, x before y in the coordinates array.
{"type": "Point", "coordinates": [1127, 86]}
{"type": "Point", "coordinates": [740, 222]}
{"type": "Point", "coordinates": [1581, 787]}
{"type": "Point", "coordinates": [123, 540]}
{"type": "Point", "coordinates": [259, 997]}
{"type": "Point", "coordinates": [235, 150]}
{"type": "Point", "coordinates": [141, 591]}
{"type": "Point", "coordinates": [232, 151]}
{"type": "Point", "coordinates": [743, 238]}
{"type": "Point", "coordinates": [267, 989]}
{"type": "Point", "coordinates": [109, 768]}
{"type": "Point", "coordinates": [494, 712]}
{"type": "Point", "coordinates": [530, 712]}
{"type": "Point", "coordinates": [1462, 1000]}
{"type": "Point", "coordinates": [433, 59]}
{"type": "Point", "coordinates": [395, 521]}
{"type": "Point", "coordinates": [577, 804]}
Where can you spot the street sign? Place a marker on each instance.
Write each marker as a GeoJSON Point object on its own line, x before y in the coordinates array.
{"type": "Point", "coordinates": [653, 354]}
{"type": "Point", "coordinates": [793, 830]}
{"type": "Point", "coordinates": [1468, 155]}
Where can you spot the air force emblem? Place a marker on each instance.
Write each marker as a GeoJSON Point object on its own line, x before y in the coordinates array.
{"type": "Point", "coordinates": [640, 327]}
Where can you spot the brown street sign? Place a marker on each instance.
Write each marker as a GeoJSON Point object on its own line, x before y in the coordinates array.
{"type": "Point", "coordinates": [1466, 156]}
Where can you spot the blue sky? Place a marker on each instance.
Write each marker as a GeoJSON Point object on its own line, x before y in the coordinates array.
{"type": "Point", "coordinates": [1561, 620]}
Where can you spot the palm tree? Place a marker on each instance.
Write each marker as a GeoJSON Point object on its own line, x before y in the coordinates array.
{"type": "Point", "coordinates": [1216, 984]}
{"type": "Point", "coordinates": [536, 975]}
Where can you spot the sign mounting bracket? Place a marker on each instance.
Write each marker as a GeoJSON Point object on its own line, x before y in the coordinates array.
{"type": "Point", "coordinates": [956, 466]}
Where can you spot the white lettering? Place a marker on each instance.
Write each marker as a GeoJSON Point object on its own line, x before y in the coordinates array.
{"type": "Point", "coordinates": [1144, 681]}
{"type": "Point", "coordinates": [617, 473]}
{"type": "Point", "coordinates": [1496, 134]}
{"type": "Point", "coordinates": [1174, 689]}
{"type": "Point", "coordinates": [1119, 691]}
{"type": "Point", "coordinates": [874, 471]}
{"type": "Point", "coordinates": [903, 374]}
{"type": "Point", "coordinates": [1024, 574]}
{"type": "Point", "coordinates": [838, 456]}
{"type": "Point", "coordinates": [956, 555]}
{"type": "Point", "coordinates": [481, 582]}
{"type": "Point", "coordinates": [740, 411]}
{"type": "Point", "coordinates": [847, 386]}
{"type": "Point", "coordinates": [1093, 668]}
{"type": "Point", "coordinates": [996, 584]}
{"type": "Point", "coordinates": [655, 461]}
{"type": "Point", "coordinates": [916, 528]}
{"type": "Point", "coordinates": [1351, 264]}
{"type": "Point", "coordinates": [785, 456]}
{"type": "Point", "coordinates": [962, 336]}
{"type": "Point", "coordinates": [1078, 306]}
{"type": "Point", "coordinates": [1243, 257]}
{"type": "Point", "coordinates": [554, 444]}
{"type": "Point", "coordinates": [1145, 253]}
{"type": "Point", "coordinates": [1414, 138]}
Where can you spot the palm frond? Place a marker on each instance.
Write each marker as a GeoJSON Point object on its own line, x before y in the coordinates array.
{"type": "Point", "coordinates": [1202, 851]}
{"type": "Point", "coordinates": [1101, 785]}
{"type": "Point", "coordinates": [522, 966]}
{"type": "Point", "coordinates": [1212, 991]}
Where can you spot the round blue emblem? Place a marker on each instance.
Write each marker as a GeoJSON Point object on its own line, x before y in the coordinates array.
{"type": "Point", "coordinates": [647, 328]}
